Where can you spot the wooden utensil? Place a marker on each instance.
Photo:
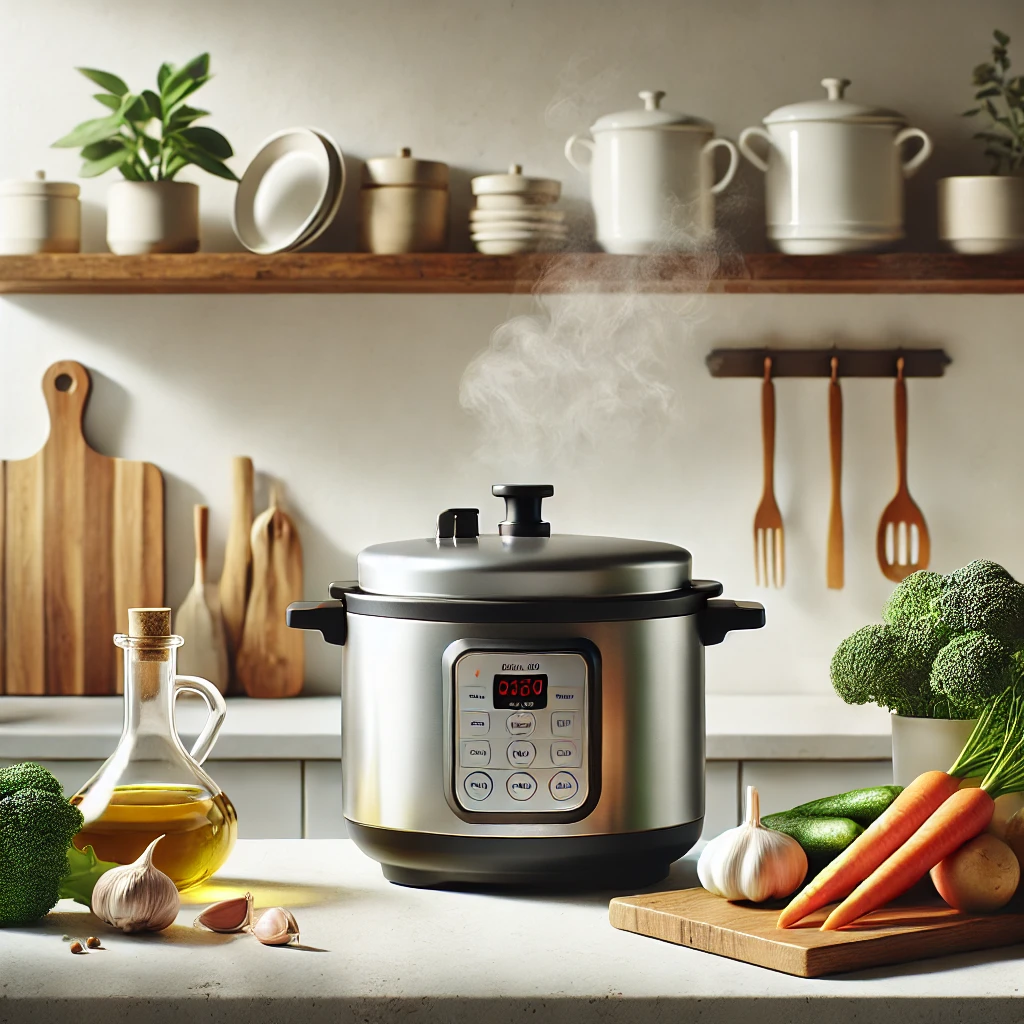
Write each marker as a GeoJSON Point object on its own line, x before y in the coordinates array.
{"type": "Point", "coordinates": [82, 540]}
{"type": "Point", "coordinates": [901, 515]}
{"type": "Point", "coordinates": [236, 574]}
{"type": "Point", "coordinates": [896, 934]}
{"type": "Point", "coordinates": [271, 659]}
{"type": "Point", "coordinates": [769, 538]}
{"type": "Point", "coordinates": [198, 621]}
{"type": "Point", "coordinates": [834, 570]}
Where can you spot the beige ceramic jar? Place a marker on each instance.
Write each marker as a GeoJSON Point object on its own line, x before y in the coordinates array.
{"type": "Point", "coordinates": [39, 216]}
{"type": "Point", "coordinates": [403, 205]}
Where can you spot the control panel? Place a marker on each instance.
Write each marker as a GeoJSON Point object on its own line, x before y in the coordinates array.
{"type": "Point", "coordinates": [520, 731]}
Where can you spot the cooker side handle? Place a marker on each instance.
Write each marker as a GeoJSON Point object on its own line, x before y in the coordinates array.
{"type": "Point", "coordinates": [326, 616]}
{"type": "Point", "coordinates": [721, 616]}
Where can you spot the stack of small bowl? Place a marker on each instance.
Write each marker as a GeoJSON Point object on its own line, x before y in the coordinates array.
{"type": "Point", "coordinates": [513, 214]}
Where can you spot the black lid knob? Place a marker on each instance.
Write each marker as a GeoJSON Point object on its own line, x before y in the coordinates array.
{"type": "Point", "coordinates": [523, 509]}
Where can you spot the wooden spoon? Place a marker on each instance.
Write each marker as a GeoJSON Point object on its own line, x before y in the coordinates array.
{"type": "Point", "coordinates": [902, 511]}
{"type": "Point", "coordinates": [834, 574]}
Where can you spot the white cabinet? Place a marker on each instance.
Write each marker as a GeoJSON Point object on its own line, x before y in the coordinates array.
{"type": "Point", "coordinates": [784, 784]}
{"type": "Point", "coordinates": [267, 796]}
{"type": "Point", "coordinates": [323, 816]}
{"type": "Point", "coordinates": [722, 780]}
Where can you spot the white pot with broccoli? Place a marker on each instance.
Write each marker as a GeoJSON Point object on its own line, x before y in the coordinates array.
{"type": "Point", "coordinates": [947, 645]}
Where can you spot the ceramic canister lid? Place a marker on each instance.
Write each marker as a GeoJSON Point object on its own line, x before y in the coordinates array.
{"type": "Point", "coordinates": [404, 169]}
{"type": "Point", "coordinates": [39, 186]}
{"type": "Point", "coordinates": [834, 107]}
{"type": "Point", "coordinates": [515, 182]}
{"type": "Point", "coordinates": [651, 116]}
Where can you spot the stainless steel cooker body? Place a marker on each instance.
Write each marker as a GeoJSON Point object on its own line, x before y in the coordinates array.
{"type": "Point", "coordinates": [513, 739]}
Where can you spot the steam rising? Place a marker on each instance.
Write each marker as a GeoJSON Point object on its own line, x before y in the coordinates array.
{"type": "Point", "coordinates": [588, 364]}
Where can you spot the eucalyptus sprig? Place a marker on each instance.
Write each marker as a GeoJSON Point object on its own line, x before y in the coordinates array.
{"type": "Point", "coordinates": [1002, 101]}
{"type": "Point", "coordinates": [151, 135]}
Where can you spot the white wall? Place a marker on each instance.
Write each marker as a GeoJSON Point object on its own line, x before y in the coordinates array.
{"type": "Point", "coordinates": [353, 400]}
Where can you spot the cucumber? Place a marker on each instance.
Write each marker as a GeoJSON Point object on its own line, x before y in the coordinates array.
{"type": "Point", "coordinates": [860, 805]}
{"type": "Point", "coordinates": [822, 839]}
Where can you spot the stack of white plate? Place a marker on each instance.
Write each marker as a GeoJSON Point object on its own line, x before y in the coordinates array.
{"type": "Point", "coordinates": [513, 214]}
{"type": "Point", "coordinates": [290, 192]}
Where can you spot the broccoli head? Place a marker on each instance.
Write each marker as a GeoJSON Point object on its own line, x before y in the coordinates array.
{"type": "Point", "coordinates": [886, 665]}
{"type": "Point", "coordinates": [981, 597]}
{"type": "Point", "coordinates": [36, 828]}
{"type": "Point", "coordinates": [910, 604]}
{"type": "Point", "coordinates": [972, 669]}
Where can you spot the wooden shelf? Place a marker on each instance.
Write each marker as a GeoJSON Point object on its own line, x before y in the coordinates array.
{"type": "Point", "coordinates": [470, 273]}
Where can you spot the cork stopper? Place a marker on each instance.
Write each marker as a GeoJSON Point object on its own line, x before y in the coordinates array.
{"type": "Point", "coordinates": [149, 622]}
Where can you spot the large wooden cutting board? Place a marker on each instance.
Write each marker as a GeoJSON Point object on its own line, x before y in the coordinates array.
{"type": "Point", "coordinates": [81, 540]}
{"type": "Point", "coordinates": [913, 930]}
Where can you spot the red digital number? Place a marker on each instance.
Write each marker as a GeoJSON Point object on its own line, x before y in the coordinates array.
{"type": "Point", "coordinates": [503, 687]}
{"type": "Point", "coordinates": [538, 685]}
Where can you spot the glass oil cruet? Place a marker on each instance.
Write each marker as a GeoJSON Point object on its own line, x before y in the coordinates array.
{"type": "Point", "coordinates": [150, 785]}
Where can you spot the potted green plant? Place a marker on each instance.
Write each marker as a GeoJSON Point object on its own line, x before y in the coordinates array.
{"type": "Point", "coordinates": [985, 213]}
{"type": "Point", "coordinates": [946, 647]}
{"type": "Point", "coordinates": [150, 137]}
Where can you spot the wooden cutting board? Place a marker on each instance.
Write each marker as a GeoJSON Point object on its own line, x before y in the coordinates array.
{"type": "Point", "coordinates": [81, 540]}
{"type": "Point", "coordinates": [914, 930]}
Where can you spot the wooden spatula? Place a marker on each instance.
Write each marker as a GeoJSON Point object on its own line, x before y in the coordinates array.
{"type": "Point", "coordinates": [769, 538]}
{"type": "Point", "coordinates": [270, 661]}
{"type": "Point", "coordinates": [198, 621]}
{"type": "Point", "coordinates": [235, 577]}
{"type": "Point", "coordinates": [902, 521]}
{"type": "Point", "coordinates": [834, 570]}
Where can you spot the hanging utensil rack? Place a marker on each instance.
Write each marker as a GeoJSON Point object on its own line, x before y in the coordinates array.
{"type": "Point", "coordinates": [817, 362]}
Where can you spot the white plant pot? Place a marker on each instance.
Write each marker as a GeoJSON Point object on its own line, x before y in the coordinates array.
{"type": "Point", "coordinates": [982, 213]}
{"type": "Point", "coordinates": [152, 216]}
{"type": "Point", "coordinates": [925, 745]}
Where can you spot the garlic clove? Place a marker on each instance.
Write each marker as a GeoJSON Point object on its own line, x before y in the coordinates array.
{"type": "Point", "coordinates": [136, 897]}
{"type": "Point", "coordinates": [276, 927]}
{"type": "Point", "coordinates": [752, 862]}
{"type": "Point", "coordinates": [234, 915]}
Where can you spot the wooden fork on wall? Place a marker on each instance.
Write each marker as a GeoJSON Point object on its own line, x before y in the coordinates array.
{"type": "Point", "coordinates": [769, 537]}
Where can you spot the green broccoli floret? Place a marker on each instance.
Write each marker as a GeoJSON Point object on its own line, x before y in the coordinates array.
{"type": "Point", "coordinates": [910, 604]}
{"type": "Point", "coordinates": [972, 669]}
{"type": "Point", "coordinates": [888, 666]}
{"type": "Point", "coordinates": [36, 828]}
{"type": "Point", "coordinates": [982, 596]}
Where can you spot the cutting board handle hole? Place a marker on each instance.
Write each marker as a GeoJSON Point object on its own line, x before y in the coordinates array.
{"type": "Point", "coordinates": [64, 382]}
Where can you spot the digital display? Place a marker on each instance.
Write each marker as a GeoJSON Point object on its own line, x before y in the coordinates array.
{"type": "Point", "coordinates": [528, 692]}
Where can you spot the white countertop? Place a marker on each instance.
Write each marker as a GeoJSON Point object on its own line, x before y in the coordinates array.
{"type": "Point", "coordinates": [378, 952]}
{"type": "Point", "coordinates": [795, 727]}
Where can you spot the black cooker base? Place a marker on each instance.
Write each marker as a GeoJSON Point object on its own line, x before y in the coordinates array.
{"type": "Point", "coordinates": [424, 860]}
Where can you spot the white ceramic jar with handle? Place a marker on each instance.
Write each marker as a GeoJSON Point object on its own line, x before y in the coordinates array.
{"type": "Point", "coordinates": [652, 177]}
{"type": "Point", "coordinates": [834, 172]}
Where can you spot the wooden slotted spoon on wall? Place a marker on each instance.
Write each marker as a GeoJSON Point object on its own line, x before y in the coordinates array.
{"type": "Point", "coordinates": [902, 521]}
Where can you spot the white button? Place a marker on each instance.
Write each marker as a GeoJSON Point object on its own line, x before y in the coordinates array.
{"type": "Point", "coordinates": [565, 697]}
{"type": "Point", "coordinates": [564, 753]}
{"type": "Point", "coordinates": [476, 753]}
{"type": "Point", "coordinates": [474, 723]}
{"type": "Point", "coordinates": [563, 723]}
{"type": "Point", "coordinates": [521, 786]}
{"type": "Point", "coordinates": [478, 785]}
{"type": "Point", "coordinates": [563, 786]}
{"type": "Point", "coordinates": [471, 697]}
{"type": "Point", "coordinates": [521, 752]}
{"type": "Point", "coordinates": [521, 724]}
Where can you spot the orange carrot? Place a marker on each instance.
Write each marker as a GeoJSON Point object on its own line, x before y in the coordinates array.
{"type": "Point", "coordinates": [900, 820]}
{"type": "Point", "coordinates": [964, 815]}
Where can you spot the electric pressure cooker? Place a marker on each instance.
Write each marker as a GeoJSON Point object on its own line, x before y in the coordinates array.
{"type": "Point", "coordinates": [523, 708]}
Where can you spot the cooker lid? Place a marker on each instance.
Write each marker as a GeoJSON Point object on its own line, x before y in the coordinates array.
{"type": "Point", "coordinates": [523, 561]}
{"type": "Point", "coordinates": [651, 116]}
{"type": "Point", "coordinates": [835, 108]}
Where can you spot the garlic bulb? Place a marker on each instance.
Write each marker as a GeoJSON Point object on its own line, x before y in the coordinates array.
{"type": "Point", "coordinates": [136, 897]}
{"type": "Point", "coordinates": [752, 862]}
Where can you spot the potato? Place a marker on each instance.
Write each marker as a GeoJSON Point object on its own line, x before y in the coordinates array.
{"type": "Point", "coordinates": [980, 877]}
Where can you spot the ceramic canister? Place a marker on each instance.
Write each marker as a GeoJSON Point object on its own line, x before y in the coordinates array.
{"type": "Point", "coordinates": [39, 216]}
{"type": "Point", "coordinates": [651, 177]}
{"type": "Point", "coordinates": [403, 205]}
{"type": "Point", "coordinates": [834, 173]}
